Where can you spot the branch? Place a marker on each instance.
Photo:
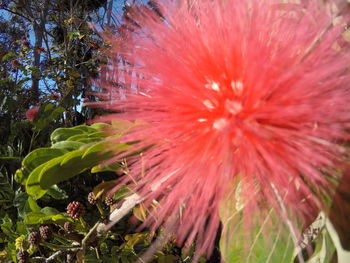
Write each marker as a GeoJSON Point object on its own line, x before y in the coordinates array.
{"type": "Point", "coordinates": [101, 227]}
{"type": "Point", "coordinates": [57, 254]}
{"type": "Point", "coordinates": [18, 14]}
{"type": "Point", "coordinates": [89, 237]}
{"type": "Point", "coordinates": [119, 213]}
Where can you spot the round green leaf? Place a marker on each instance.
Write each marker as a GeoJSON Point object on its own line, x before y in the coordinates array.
{"type": "Point", "coordinates": [67, 145]}
{"type": "Point", "coordinates": [62, 134]}
{"type": "Point", "coordinates": [40, 156]}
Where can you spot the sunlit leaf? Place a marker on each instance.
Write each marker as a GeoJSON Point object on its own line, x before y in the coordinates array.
{"type": "Point", "coordinates": [265, 239]}
{"type": "Point", "coordinates": [101, 189]}
{"type": "Point", "coordinates": [62, 134]}
{"type": "Point", "coordinates": [40, 156]}
{"type": "Point", "coordinates": [57, 193]}
{"type": "Point", "coordinates": [68, 145]}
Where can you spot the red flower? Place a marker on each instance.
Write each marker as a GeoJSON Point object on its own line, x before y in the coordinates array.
{"type": "Point", "coordinates": [32, 112]}
{"type": "Point", "coordinates": [249, 90]}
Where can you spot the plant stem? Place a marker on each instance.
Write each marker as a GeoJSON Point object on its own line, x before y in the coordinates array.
{"type": "Point", "coordinates": [84, 224]}
{"type": "Point", "coordinates": [60, 239]}
{"type": "Point", "coordinates": [100, 209]}
{"type": "Point", "coordinates": [97, 254]}
{"type": "Point", "coordinates": [54, 246]}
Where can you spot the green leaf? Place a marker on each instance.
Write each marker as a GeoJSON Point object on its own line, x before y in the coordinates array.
{"type": "Point", "coordinates": [100, 125]}
{"type": "Point", "coordinates": [21, 176]}
{"type": "Point", "coordinates": [48, 113]}
{"type": "Point", "coordinates": [21, 228]}
{"type": "Point", "coordinates": [101, 189]}
{"type": "Point", "coordinates": [85, 128]}
{"type": "Point", "coordinates": [6, 192]}
{"type": "Point", "coordinates": [67, 145]}
{"type": "Point", "coordinates": [8, 56]}
{"type": "Point", "coordinates": [97, 150]}
{"type": "Point", "coordinates": [123, 125]}
{"type": "Point", "coordinates": [33, 187]}
{"type": "Point", "coordinates": [53, 169]}
{"type": "Point", "coordinates": [133, 239]}
{"type": "Point", "coordinates": [48, 107]}
{"type": "Point", "coordinates": [267, 238]}
{"type": "Point", "coordinates": [72, 164]}
{"type": "Point", "coordinates": [324, 249]}
{"type": "Point", "coordinates": [167, 258]}
{"type": "Point", "coordinates": [84, 139]}
{"type": "Point", "coordinates": [9, 158]}
{"type": "Point", "coordinates": [40, 156]}
{"type": "Point", "coordinates": [32, 205]}
{"type": "Point", "coordinates": [104, 248]}
{"type": "Point", "coordinates": [121, 193]}
{"type": "Point", "coordinates": [105, 168]}
{"type": "Point", "coordinates": [62, 134]}
{"type": "Point", "coordinates": [342, 255]}
{"type": "Point", "coordinates": [25, 204]}
{"type": "Point", "coordinates": [139, 211]}
{"type": "Point", "coordinates": [49, 211]}
{"type": "Point", "coordinates": [7, 228]}
{"type": "Point", "coordinates": [87, 138]}
{"type": "Point", "coordinates": [57, 193]}
{"type": "Point", "coordinates": [339, 212]}
{"type": "Point", "coordinates": [53, 172]}
{"type": "Point", "coordinates": [72, 156]}
{"type": "Point", "coordinates": [35, 218]}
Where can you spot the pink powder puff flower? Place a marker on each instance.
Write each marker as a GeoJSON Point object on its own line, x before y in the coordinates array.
{"type": "Point", "coordinates": [255, 90]}
{"type": "Point", "coordinates": [40, 49]}
{"type": "Point", "coordinates": [31, 113]}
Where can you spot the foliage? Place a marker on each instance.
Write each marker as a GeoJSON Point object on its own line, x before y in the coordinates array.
{"type": "Point", "coordinates": [77, 152]}
{"type": "Point", "coordinates": [45, 173]}
{"type": "Point", "coordinates": [272, 238]}
{"type": "Point", "coordinates": [49, 57]}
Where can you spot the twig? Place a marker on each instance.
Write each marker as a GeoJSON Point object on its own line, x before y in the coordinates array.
{"type": "Point", "coordinates": [89, 237]}
{"type": "Point", "coordinates": [57, 254]}
{"type": "Point", "coordinates": [18, 14]}
{"type": "Point", "coordinates": [118, 214]}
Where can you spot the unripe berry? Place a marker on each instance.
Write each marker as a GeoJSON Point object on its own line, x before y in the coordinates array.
{"type": "Point", "coordinates": [109, 200]}
{"type": "Point", "coordinates": [34, 238]}
{"type": "Point", "coordinates": [91, 198]}
{"type": "Point", "coordinates": [68, 226]}
{"type": "Point", "coordinates": [23, 257]}
{"type": "Point", "coordinates": [75, 209]}
{"type": "Point", "coordinates": [45, 232]}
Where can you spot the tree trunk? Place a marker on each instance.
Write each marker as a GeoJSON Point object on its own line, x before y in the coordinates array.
{"type": "Point", "coordinates": [39, 29]}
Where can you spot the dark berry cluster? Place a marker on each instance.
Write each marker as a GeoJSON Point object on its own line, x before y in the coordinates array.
{"type": "Point", "coordinates": [68, 226]}
{"type": "Point", "coordinates": [23, 257]}
{"type": "Point", "coordinates": [34, 238]}
{"type": "Point", "coordinates": [75, 209]}
{"type": "Point", "coordinates": [45, 232]}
